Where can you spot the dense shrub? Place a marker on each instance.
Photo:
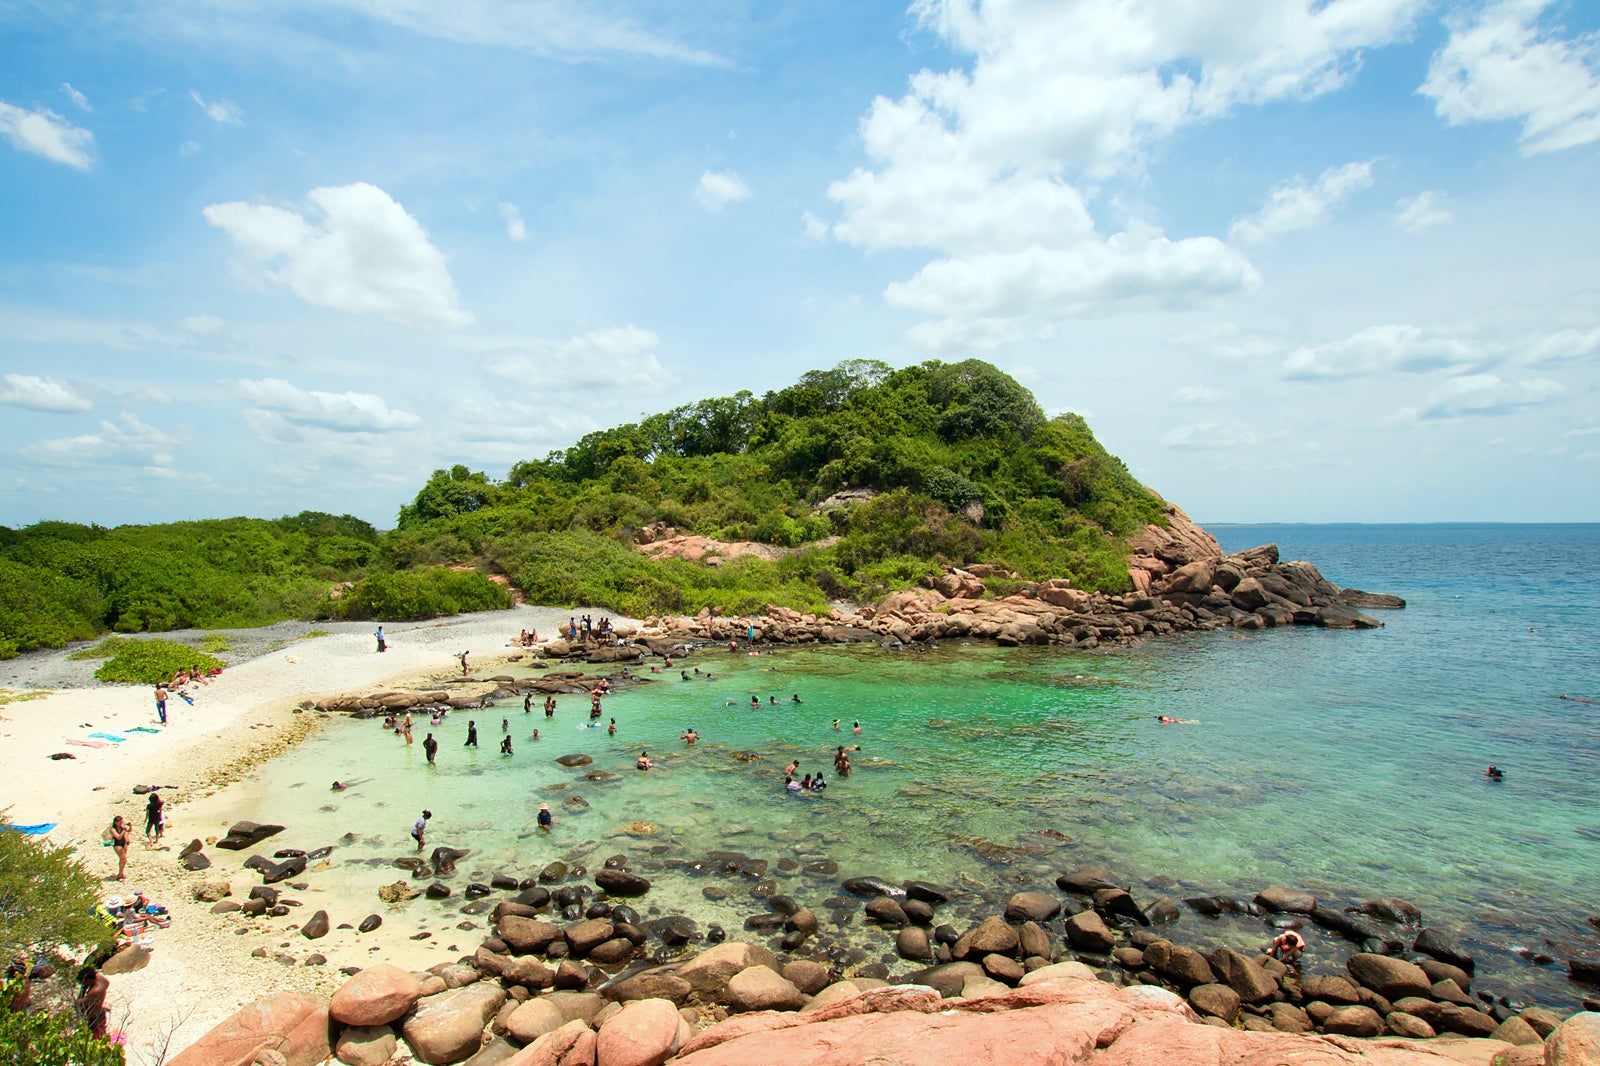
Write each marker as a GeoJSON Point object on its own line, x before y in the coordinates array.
{"type": "Point", "coordinates": [414, 594]}
{"type": "Point", "coordinates": [146, 662]}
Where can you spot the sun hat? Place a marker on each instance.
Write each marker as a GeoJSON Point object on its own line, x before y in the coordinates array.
{"type": "Point", "coordinates": [113, 902]}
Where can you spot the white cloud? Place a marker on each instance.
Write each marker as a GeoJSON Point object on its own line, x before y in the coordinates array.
{"type": "Point", "coordinates": [1484, 395]}
{"type": "Point", "coordinates": [988, 165]}
{"type": "Point", "coordinates": [41, 394]}
{"type": "Point", "coordinates": [546, 27]}
{"type": "Point", "coordinates": [1198, 394]}
{"type": "Point", "coordinates": [342, 412]}
{"type": "Point", "coordinates": [1390, 348]}
{"type": "Point", "coordinates": [1420, 212]}
{"type": "Point", "coordinates": [219, 110]}
{"type": "Point", "coordinates": [1561, 346]}
{"type": "Point", "coordinates": [616, 357]}
{"type": "Point", "coordinates": [364, 254]}
{"type": "Point", "coordinates": [45, 133]}
{"type": "Point", "coordinates": [814, 228]}
{"type": "Point", "coordinates": [718, 188]}
{"type": "Point", "coordinates": [515, 228]}
{"type": "Point", "coordinates": [123, 442]}
{"type": "Point", "coordinates": [1299, 204]}
{"type": "Point", "coordinates": [203, 325]}
{"type": "Point", "coordinates": [1500, 64]}
{"type": "Point", "coordinates": [80, 100]}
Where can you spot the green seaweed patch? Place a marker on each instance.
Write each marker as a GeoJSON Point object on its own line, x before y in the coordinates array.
{"type": "Point", "coordinates": [146, 662]}
{"type": "Point", "coordinates": [216, 643]}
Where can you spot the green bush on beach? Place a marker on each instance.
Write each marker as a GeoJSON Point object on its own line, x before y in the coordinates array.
{"type": "Point", "coordinates": [147, 662]}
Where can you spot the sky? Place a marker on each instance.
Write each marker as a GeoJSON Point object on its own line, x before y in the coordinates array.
{"type": "Point", "coordinates": [1294, 261]}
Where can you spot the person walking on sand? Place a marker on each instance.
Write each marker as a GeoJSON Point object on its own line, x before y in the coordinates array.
{"type": "Point", "coordinates": [161, 703]}
{"type": "Point", "coordinates": [117, 837]}
{"type": "Point", "coordinates": [383, 642]}
{"type": "Point", "coordinates": [419, 830]}
{"type": "Point", "coordinates": [430, 747]}
{"type": "Point", "coordinates": [153, 816]}
{"type": "Point", "coordinates": [463, 658]}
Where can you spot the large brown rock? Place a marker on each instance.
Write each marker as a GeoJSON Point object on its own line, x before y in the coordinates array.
{"type": "Point", "coordinates": [1516, 1031]}
{"type": "Point", "coordinates": [1354, 1020]}
{"type": "Point", "coordinates": [992, 936]}
{"type": "Point", "coordinates": [762, 988]}
{"type": "Point", "coordinates": [709, 972]}
{"type": "Point", "coordinates": [292, 1024]}
{"type": "Point", "coordinates": [1330, 988]}
{"type": "Point", "coordinates": [643, 1033]}
{"type": "Point", "coordinates": [574, 1044]}
{"type": "Point", "coordinates": [448, 1027]}
{"type": "Point", "coordinates": [533, 1019]}
{"type": "Point", "coordinates": [1391, 978]}
{"type": "Point", "coordinates": [1575, 1042]}
{"type": "Point", "coordinates": [526, 934]}
{"type": "Point", "coordinates": [656, 984]}
{"type": "Point", "coordinates": [1032, 907]}
{"type": "Point", "coordinates": [1218, 1001]}
{"type": "Point", "coordinates": [1292, 900]}
{"type": "Point", "coordinates": [1087, 931]}
{"type": "Point", "coordinates": [362, 1045]}
{"type": "Point", "coordinates": [1242, 975]}
{"type": "Point", "coordinates": [1181, 965]}
{"type": "Point", "coordinates": [586, 936]}
{"type": "Point", "coordinates": [375, 996]}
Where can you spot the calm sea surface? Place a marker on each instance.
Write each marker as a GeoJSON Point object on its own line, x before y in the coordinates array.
{"type": "Point", "coordinates": [1348, 763]}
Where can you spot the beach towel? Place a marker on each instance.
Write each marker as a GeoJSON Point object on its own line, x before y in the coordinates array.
{"type": "Point", "coordinates": [186, 698]}
{"type": "Point", "coordinates": [109, 736]}
{"type": "Point", "coordinates": [89, 743]}
{"type": "Point", "coordinates": [30, 830]}
{"type": "Point", "coordinates": [141, 729]}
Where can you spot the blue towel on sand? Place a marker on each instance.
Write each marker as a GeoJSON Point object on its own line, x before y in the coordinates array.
{"type": "Point", "coordinates": [141, 729]}
{"type": "Point", "coordinates": [31, 830]}
{"type": "Point", "coordinates": [109, 736]}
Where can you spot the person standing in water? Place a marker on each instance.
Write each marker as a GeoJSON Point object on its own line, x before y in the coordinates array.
{"type": "Point", "coordinates": [419, 830]}
{"type": "Point", "coordinates": [472, 735]}
{"type": "Point", "coordinates": [430, 747]}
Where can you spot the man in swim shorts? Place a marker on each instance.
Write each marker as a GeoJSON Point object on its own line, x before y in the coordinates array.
{"type": "Point", "coordinates": [419, 830]}
{"type": "Point", "coordinates": [430, 747]}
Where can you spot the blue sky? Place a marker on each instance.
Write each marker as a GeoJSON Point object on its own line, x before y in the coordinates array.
{"type": "Point", "coordinates": [1295, 261]}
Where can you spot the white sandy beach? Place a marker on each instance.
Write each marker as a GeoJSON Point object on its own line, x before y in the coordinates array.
{"type": "Point", "coordinates": [201, 969]}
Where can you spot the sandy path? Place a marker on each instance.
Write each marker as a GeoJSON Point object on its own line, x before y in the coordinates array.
{"type": "Point", "coordinates": [201, 969]}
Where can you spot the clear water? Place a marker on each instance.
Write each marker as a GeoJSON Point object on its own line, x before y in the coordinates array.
{"type": "Point", "coordinates": [1348, 763]}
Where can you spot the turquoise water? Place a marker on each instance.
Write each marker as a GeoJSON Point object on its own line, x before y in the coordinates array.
{"type": "Point", "coordinates": [1349, 763]}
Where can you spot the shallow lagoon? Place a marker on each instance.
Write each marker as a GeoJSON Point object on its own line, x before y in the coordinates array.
{"type": "Point", "coordinates": [1347, 763]}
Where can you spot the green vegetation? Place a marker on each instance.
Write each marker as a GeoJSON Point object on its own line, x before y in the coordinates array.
{"type": "Point", "coordinates": [215, 643]}
{"type": "Point", "coordinates": [944, 463]}
{"type": "Point", "coordinates": [105, 649]}
{"type": "Point", "coordinates": [46, 897]}
{"type": "Point", "coordinates": [145, 662]}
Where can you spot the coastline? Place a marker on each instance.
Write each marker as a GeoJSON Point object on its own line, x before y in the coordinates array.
{"type": "Point", "coordinates": [200, 970]}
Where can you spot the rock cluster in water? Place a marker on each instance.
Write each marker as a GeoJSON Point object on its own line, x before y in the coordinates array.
{"type": "Point", "coordinates": [572, 973]}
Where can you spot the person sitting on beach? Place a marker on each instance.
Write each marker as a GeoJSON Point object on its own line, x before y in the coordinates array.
{"type": "Point", "coordinates": [1494, 773]}
{"type": "Point", "coordinates": [643, 761]}
{"type": "Point", "coordinates": [1287, 947]}
{"type": "Point", "coordinates": [505, 744]}
{"type": "Point", "coordinates": [817, 783]}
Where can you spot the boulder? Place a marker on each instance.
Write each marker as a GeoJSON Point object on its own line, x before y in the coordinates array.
{"type": "Point", "coordinates": [1218, 1001]}
{"type": "Point", "coordinates": [1444, 947]}
{"type": "Point", "coordinates": [809, 977]}
{"type": "Point", "coordinates": [886, 911]}
{"type": "Point", "coordinates": [1575, 1042]}
{"type": "Point", "coordinates": [1088, 932]}
{"type": "Point", "coordinates": [574, 1044]}
{"type": "Point", "coordinates": [127, 959]}
{"type": "Point", "coordinates": [242, 835]}
{"type": "Point", "coordinates": [657, 984]}
{"type": "Point", "coordinates": [585, 936]}
{"type": "Point", "coordinates": [316, 927]}
{"type": "Point", "coordinates": [1400, 1023]}
{"type": "Point", "coordinates": [1032, 907]}
{"type": "Point", "coordinates": [992, 936]}
{"type": "Point", "coordinates": [711, 970]}
{"type": "Point", "coordinates": [533, 1019]}
{"type": "Point", "coordinates": [1353, 1020]}
{"type": "Point", "coordinates": [375, 996]}
{"type": "Point", "coordinates": [448, 1027]}
{"type": "Point", "coordinates": [212, 891]}
{"type": "Point", "coordinates": [1290, 900]}
{"type": "Point", "coordinates": [1288, 1018]}
{"type": "Point", "coordinates": [1391, 978]}
{"type": "Point", "coordinates": [570, 761]}
{"type": "Point", "coordinates": [763, 988]}
{"type": "Point", "coordinates": [1516, 1031]}
{"type": "Point", "coordinates": [1003, 969]}
{"type": "Point", "coordinates": [1178, 964]}
{"type": "Point", "coordinates": [621, 883]}
{"type": "Point", "coordinates": [291, 1025]}
{"type": "Point", "coordinates": [1543, 1020]}
{"type": "Point", "coordinates": [1116, 905]}
{"type": "Point", "coordinates": [526, 934]}
{"type": "Point", "coordinates": [1242, 975]}
{"type": "Point", "coordinates": [361, 1045]}
{"type": "Point", "coordinates": [1330, 988]}
{"type": "Point", "coordinates": [645, 1032]}
{"type": "Point", "coordinates": [912, 943]}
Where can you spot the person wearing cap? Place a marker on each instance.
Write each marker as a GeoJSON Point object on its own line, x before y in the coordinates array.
{"type": "Point", "coordinates": [545, 820]}
{"type": "Point", "coordinates": [420, 828]}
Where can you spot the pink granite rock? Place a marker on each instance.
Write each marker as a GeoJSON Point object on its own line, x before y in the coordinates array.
{"type": "Point", "coordinates": [643, 1033]}
{"type": "Point", "coordinates": [289, 1023]}
{"type": "Point", "coordinates": [375, 996]}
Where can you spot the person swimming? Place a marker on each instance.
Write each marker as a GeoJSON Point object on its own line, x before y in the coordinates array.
{"type": "Point", "coordinates": [1494, 773]}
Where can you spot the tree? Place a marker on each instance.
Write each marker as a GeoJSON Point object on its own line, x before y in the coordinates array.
{"type": "Point", "coordinates": [447, 493]}
{"type": "Point", "coordinates": [46, 896]}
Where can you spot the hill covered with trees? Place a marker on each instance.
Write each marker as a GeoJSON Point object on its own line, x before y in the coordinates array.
{"type": "Point", "coordinates": [872, 478]}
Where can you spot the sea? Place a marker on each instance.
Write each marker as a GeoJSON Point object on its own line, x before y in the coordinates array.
{"type": "Point", "coordinates": [1348, 763]}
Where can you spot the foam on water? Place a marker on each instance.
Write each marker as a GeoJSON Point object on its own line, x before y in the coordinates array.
{"type": "Point", "coordinates": [1347, 763]}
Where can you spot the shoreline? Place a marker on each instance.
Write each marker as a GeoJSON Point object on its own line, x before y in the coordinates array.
{"type": "Point", "coordinates": [197, 975]}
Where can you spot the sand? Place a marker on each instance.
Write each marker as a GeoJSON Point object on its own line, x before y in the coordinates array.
{"type": "Point", "coordinates": [201, 968]}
